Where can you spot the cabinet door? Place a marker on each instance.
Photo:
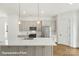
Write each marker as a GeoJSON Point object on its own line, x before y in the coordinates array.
{"type": "Point", "coordinates": [47, 51]}
{"type": "Point", "coordinates": [31, 51]}
{"type": "Point", "coordinates": [39, 51]}
{"type": "Point", "coordinates": [43, 51]}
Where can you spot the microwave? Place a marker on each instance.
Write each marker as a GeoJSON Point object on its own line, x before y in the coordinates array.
{"type": "Point", "coordinates": [32, 28]}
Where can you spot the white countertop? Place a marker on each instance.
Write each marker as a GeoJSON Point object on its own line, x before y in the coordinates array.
{"type": "Point", "coordinates": [35, 42]}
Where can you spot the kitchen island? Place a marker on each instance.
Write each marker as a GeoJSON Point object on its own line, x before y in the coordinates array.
{"type": "Point", "coordinates": [35, 47]}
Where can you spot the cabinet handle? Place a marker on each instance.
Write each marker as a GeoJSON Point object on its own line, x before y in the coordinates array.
{"type": "Point", "coordinates": [6, 28]}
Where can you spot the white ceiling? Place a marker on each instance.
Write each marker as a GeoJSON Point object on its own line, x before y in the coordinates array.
{"type": "Point", "coordinates": [33, 9]}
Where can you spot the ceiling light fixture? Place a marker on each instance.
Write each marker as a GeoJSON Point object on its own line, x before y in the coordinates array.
{"type": "Point", "coordinates": [19, 14]}
{"type": "Point", "coordinates": [19, 22]}
{"type": "Point", "coordinates": [42, 12]}
{"type": "Point", "coordinates": [24, 12]}
{"type": "Point", "coordinates": [70, 3]}
{"type": "Point", "coordinates": [38, 22]}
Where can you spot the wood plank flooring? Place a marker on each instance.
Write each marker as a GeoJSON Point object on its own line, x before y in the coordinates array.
{"type": "Point", "coordinates": [63, 50]}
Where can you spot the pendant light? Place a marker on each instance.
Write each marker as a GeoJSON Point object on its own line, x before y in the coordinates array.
{"type": "Point", "coordinates": [19, 22]}
{"type": "Point", "coordinates": [38, 22]}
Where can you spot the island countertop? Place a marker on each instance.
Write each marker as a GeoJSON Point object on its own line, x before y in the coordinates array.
{"type": "Point", "coordinates": [34, 42]}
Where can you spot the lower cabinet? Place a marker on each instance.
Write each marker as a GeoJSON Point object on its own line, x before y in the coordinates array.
{"type": "Point", "coordinates": [26, 50]}
{"type": "Point", "coordinates": [31, 51]}
{"type": "Point", "coordinates": [47, 51]}
{"type": "Point", "coordinates": [39, 51]}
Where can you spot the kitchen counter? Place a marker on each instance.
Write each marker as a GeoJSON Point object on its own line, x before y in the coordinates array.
{"type": "Point", "coordinates": [34, 42]}
{"type": "Point", "coordinates": [34, 47]}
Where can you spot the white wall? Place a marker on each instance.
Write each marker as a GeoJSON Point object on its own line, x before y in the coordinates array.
{"type": "Point", "coordinates": [68, 34]}
{"type": "Point", "coordinates": [12, 29]}
{"type": "Point", "coordinates": [74, 30]}
{"type": "Point", "coordinates": [2, 28]}
{"type": "Point", "coordinates": [3, 20]}
{"type": "Point", "coordinates": [77, 29]}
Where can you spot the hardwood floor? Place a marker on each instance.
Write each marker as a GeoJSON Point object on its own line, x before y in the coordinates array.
{"type": "Point", "coordinates": [63, 50]}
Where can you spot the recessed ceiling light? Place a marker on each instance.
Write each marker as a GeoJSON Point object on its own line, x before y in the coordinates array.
{"type": "Point", "coordinates": [38, 22]}
{"type": "Point", "coordinates": [70, 3]}
{"type": "Point", "coordinates": [19, 22]}
{"type": "Point", "coordinates": [42, 12]}
{"type": "Point", "coordinates": [24, 12]}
